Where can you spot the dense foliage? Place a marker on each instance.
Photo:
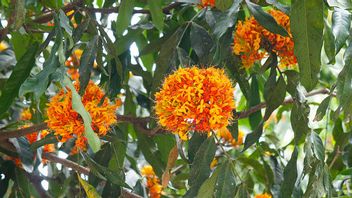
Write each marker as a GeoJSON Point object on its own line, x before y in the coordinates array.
{"type": "Point", "coordinates": [187, 98]}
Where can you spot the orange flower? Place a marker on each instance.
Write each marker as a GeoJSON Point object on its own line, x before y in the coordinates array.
{"type": "Point", "coordinates": [194, 99]}
{"type": "Point", "coordinates": [210, 3]}
{"type": "Point", "coordinates": [153, 182]}
{"type": "Point", "coordinates": [225, 134]}
{"type": "Point", "coordinates": [214, 163]}
{"type": "Point", "coordinates": [265, 195]}
{"type": "Point", "coordinates": [68, 124]}
{"type": "Point", "coordinates": [283, 46]}
{"type": "Point", "coordinates": [249, 37]}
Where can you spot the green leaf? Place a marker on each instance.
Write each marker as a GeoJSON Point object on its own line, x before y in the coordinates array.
{"type": "Point", "coordinates": [274, 93]}
{"type": "Point", "coordinates": [65, 22]}
{"type": "Point", "coordinates": [242, 191]}
{"type": "Point", "coordinates": [18, 76]}
{"type": "Point", "coordinates": [208, 187]}
{"type": "Point", "coordinates": [265, 19]}
{"type": "Point", "coordinates": [341, 22]}
{"type": "Point", "coordinates": [86, 64]}
{"type": "Point", "coordinates": [225, 185]}
{"type": "Point", "coordinates": [329, 43]}
{"type": "Point", "coordinates": [290, 175]}
{"type": "Point", "coordinates": [201, 42]}
{"type": "Point", "coordinates": [225, 20]}
{"type": "Point", "coordinates": [223, 5]}
{"type": "Point", "coordinates": [299, 120]}
{"type": "Point", "coordinates": [253, 137]}
{"type": "Point", "coordinates": [321, 111]}
{"type": "Point", "coordinates": [338, 133]}
{"type": "Point", "coordinates": [167, 59]}
{"type": "Point", "coordinates": [49, 139]}
{"type": "Point", "coordinates": [20, 42]}
{"type": "Point", "coordinates": [77, 105]}
{"type": "Point", "coordinates": [318, 147]}
{"type": "Point", "coordinates": [255, 118]}
{"type": "Point", "coordinates": [89, 189]}
{"type": "Point", "coordinates": [200, 169]}
{"type": "Point", "coordinates": [193, 145]}
{"type": "Point", "coordinates": [125, 15]}
{"type": "Point", "coordinates": [156, 11]}
{"type": "Point", "coordinates": [25, 153]}
{"type": "Point", "coordinates": [307, 25]}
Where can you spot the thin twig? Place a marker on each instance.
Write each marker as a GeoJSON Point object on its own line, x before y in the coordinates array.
{"type": "Point", "coordinates": [66, 163]}
{"type": "Point", "coordinates": [336, 156]}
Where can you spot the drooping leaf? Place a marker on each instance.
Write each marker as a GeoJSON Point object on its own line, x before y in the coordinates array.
{"type": "Point", "coordinates": [65, 22]}
{"type": "Point", "coordinates": [253, 137]}
{"type": "Point", "coordinates": [307, 25]}
{"type": "Point", "coordinates": [265, 19]}
{"type": "Point", "coordinates": [208, 187]}
{"type": "Point", "coordinates": [329, 43]}
{"type": "Point", "coordinates": [341, 22]}
{"type": "Point", "coordinates": [200, 169]}
{"type": "Point", "coordinates": [255, 118]}
{"type": "Point", "coordinates": [17, 78]}
{"type": "Point", "coordinates": [156, 11]}
{"type": "Point", "coordinates": [225, 184]}
{"type": "Point", "coordinates": [290, 175]}
{"type": "Point", "coordinates": [89, 189]}
{"type": "Point", "coordinates": [299, 120]}
{"type": "Point", "coordinates": [86, 64]}
{"type": "Point", "coordinates": [124, 16]}
{"type": "Point", "coordinates": [321, 111]}
{"type": "Point", "coordinates": [201, 42]}
{"type": "Point", "coordinates": [77, 105]}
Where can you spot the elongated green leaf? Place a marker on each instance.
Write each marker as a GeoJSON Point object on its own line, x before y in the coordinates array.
{"type": "Point", "coordinates": [299, 120]}
{"type": "Point", "coordinates": [318, 147]}
{"type": "Point", "coordinates": [253, 137]}
{"type": "Point", "coordinates": [321, 111]}
{"type": "Point", "coordinates": [193, 145]}
{"type": "Point", "coordinates": [225, 185]}
{"type": "Point", "coordinates": [200, 169]}
{"type": "Point", "coordinates": [167, 59]}
{"type": "Point", "coordinates": [208, 187]}
{"type": "Point", "coordinates": [201, 42]}
{"type": "Point", "coordinates": [290, 175]}
{"type": "Point", "coordinates": [18, 76]}
{"type": "Point", "coordinates": [274, 93]}
{"type": "Point", "coordinates": [223, 5]}
{"type": "Point", "coordinates": [65, 22]}
{"type": "Point", "coordinates": [329, 43]}
{"type": "Point", "coordinates": [156, 11]}
{"type": "Point", "coordinates": [341, 22]}
{"type": "Point", "coordinates": [125, 15]}
{"type": "Point", "coordinates": [255, 118]}
{"type": "Point", "coordinates": [242, 191]}
{"type": "Point", "coordinates": [225, 20]}
{"type": "Point", "coordinates": [307, 25]}
{"type": "Point", "coordinates": [77, 105]}
{"type": "Point", "coordinates": [86, 64]}
{"type": "Point", "coordinates": [265, 19]}
{"type": "Point", "coordinates": [89, 189]}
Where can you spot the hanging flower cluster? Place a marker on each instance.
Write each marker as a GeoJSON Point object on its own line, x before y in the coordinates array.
{"type": "Point", "coordinates": [226, 135]}
{"type": "Point", "coordinates": [194, 99]}
{"type": "Point", "coordinates": [153, 182]}
{"type": "Point", "coordinates": [265, 195]}
{"type": "Point", "coordinates": [250, 36]}
{"type": "Point", "coordinates": [67, 123]}
{"type": "Point", "coordinates": [206, 3]}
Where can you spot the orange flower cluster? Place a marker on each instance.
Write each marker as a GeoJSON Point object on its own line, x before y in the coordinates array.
{"type": "Point", "coordinates": [195, 99]}
{"type": "Point", "coordinates": [249, 36]}
{"type": "Point", "coordinates": [226, 135]}
{"type": "Point", "coordinates": [206, 3]}
{"type": "Point", "coordinates": [67, 123]}
{"type": "Point", "coordinates": [153, 182]}
{"type": "Point", "coordinates": [265, 195]}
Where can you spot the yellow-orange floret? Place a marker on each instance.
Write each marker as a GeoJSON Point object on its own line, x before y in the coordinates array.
{"type": "Point", "coordinates": [283, 46]}
{"type": "Point", "coordinates": [153, 182]}
{"type": "Point", "coordinates": [3, 46]}
{"type": "Point", "coordinates": [210, 3]}
{"type": "Point", "coordinates": [67, 123]}
{"type": "Point", "coordinates": [226, 135]}
{"type": "Point", "coordinates": [265, 195]}
{"type": "Point", "coordinates": [26, 114]}
{"type": "Point", "coordinates": [194, 99]}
